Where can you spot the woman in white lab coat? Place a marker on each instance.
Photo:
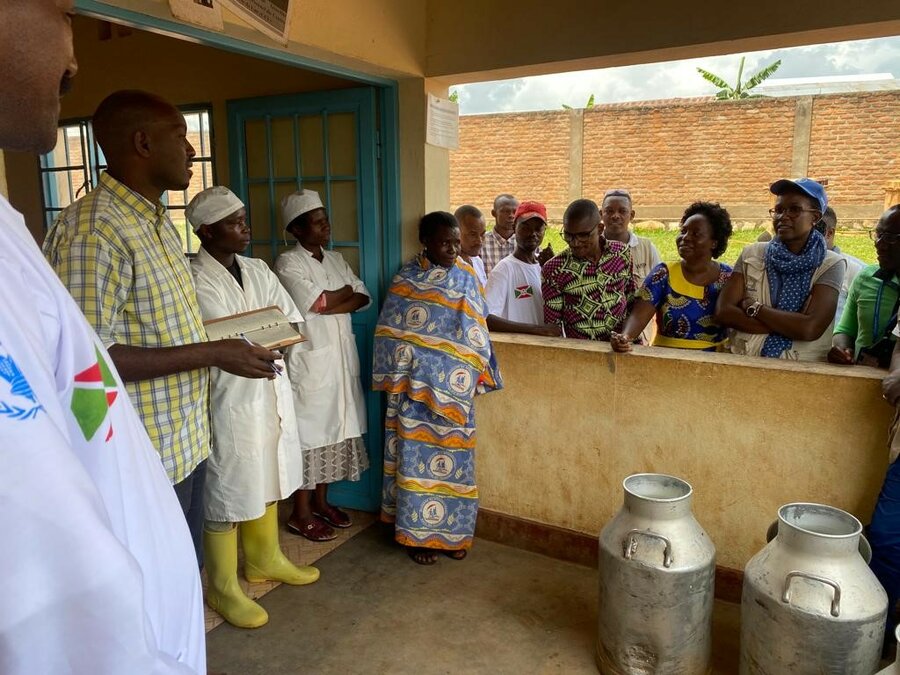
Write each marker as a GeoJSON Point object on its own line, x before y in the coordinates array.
{"type": "Point", "coordinates": [253, 461]}
{"type": "Point", "coordinates": [324, 371]}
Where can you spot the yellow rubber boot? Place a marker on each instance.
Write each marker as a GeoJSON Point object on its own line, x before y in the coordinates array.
{"type": "Point", "coordinates": [223, 592]}
{"type": "Point", "coordinates": [263, 559]}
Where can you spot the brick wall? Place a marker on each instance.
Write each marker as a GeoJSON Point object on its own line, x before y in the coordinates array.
{"type": "Point", "coordinates": [527, 154]}
{"type": "Point", "coordinates": [669, 153]}
{"type": "Point", "coordinates": [855, 144]}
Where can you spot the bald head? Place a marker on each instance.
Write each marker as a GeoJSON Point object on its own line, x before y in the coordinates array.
{"type": "Point", "coordinates": [144, 139]}
{"type": "Point", "coordinates": [125, 113]}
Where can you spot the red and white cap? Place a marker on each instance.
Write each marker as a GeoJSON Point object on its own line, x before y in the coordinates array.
{"type": "Point", "coordinates": [528, 210]}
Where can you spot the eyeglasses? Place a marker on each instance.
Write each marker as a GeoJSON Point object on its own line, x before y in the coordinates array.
{"type": "Point", "coordinates": [578, 236]}
{"type": "Point", "coordinates": [887, 237]}
{"type": "Point", "coordinates": [791, 211]}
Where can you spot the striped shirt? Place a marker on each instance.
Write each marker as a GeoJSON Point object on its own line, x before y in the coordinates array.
{"type": "Point", "coordinates": [121, 259]}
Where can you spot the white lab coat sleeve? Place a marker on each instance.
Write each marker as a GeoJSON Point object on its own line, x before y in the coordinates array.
{"type": "Point", "coordinates": [297, 282]}
{"type": "Point", "coordinates": [355, 283]}
{"type": "Point", "coordinates": [497, 290]}
{"type": "Point", "coordinates": [72, 595]}
{"type": "Point", "coordinates": [279, 296]}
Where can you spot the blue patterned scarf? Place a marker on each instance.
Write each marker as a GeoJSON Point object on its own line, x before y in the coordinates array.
{"type": "Point", "coordinates": [790, 281]}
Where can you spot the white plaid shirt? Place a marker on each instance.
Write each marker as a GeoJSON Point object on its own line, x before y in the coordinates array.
{"type": "Point", "coordinates": [495, 249]}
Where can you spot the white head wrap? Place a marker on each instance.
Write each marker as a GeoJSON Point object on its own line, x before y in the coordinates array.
{"type": "Point", "coordinates": [298, 203]}
{"type": "Point", "coordinates": [211, 205]}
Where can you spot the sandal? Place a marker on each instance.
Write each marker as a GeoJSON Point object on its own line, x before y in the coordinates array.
{"type": "Point", "coordinates": [314, 530]}
{"type": "Point", "coordinates": [422, 556]}
{"type": "Point", "coordinates": [458, 554]}
{"type": "Point", "coordinates": [334, 516]}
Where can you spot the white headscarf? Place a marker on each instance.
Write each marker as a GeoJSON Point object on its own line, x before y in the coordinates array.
{"type": "Point", "coordinates": [298, 203]}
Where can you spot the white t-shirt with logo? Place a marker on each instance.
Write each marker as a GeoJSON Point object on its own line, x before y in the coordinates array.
{"type": "Point", "coordinates": [514, 291]}
{"type": "Point", "coordinates": [98, 574]}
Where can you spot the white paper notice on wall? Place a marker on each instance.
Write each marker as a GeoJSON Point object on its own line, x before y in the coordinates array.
{"type": "Point", "coordinates": [206, 13]}
{"type": "Point", "coordinates": [442, 126]}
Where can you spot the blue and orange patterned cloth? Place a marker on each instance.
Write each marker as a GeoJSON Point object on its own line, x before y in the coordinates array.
{"type": "Point", "coordinates": [684, 310]}
{"type": "Point", "coordinates": [432, 356]}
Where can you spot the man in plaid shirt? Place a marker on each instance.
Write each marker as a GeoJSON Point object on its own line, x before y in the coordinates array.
{"type": "Point", "coordinates": [121, 258]}
{"type": "Point", "coordinates": [501, 240]}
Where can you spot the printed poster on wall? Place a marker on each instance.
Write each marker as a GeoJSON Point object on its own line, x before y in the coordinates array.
{"type": "Point", "coordinates": [205, 13]}
{"type": "Point", "coordinates": [272, 17]}
{"type": "Point", "coordinates": [442, 123]}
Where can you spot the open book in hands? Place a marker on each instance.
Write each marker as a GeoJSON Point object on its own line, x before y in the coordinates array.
{"type": "Point", "coordinates": [268, 327]}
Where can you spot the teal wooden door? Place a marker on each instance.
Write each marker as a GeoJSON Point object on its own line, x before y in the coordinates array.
{"type": "Point", "coordinates": [323, 141]}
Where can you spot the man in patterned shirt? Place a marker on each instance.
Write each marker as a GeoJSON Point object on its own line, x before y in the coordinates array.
{"type": "Point", "coordinates": [589, 287]}
{"type": "Point", "coordinates": [501, 240]}
{"type": "Point", "coordinates": [121, 258]}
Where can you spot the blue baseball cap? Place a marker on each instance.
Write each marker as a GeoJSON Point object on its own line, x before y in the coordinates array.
{"type": "Point", "coordinates": [807, 186]}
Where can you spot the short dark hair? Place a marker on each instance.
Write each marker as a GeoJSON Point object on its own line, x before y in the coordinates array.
{"type": "Point", "coordinates": [432, 222]}
{"type": "Point", "coordinates": [719, 221]}
{"type": "Point", "coordinates": [829, 220]}
{"type": "Point", "coordinates": [580, 209]}
{"type": "Point", "coordinates": [617, 192]}
{"type": "Point", "coordinates": [503, 195]}
{"type": "Point", "coordinates": [467, 211]}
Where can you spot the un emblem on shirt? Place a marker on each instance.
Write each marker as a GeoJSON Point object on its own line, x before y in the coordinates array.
{"type": "Point", "coordinates": [17, 399]}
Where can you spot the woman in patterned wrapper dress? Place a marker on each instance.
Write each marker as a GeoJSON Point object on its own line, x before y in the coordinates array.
{"type": "Point", "coordinates": [683, 294]}
{"type": "Point", "coordinates": [433, 355]}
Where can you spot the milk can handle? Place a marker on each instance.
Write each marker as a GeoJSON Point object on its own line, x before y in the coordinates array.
{"type": "Point", "coordinates": [629, 545]}
{"type": "Point", "coordinates": [835, 601]}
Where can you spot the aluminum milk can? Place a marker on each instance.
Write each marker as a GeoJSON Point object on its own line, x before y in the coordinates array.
{"type": "Point", "coordinates": [810, 603]}
{"type": "Point", "coordinates": [657, 575]}
{"type": "Point", "coordinates": [894, 668]}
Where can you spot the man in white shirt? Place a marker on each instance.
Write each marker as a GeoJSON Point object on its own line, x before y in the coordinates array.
{"type": "Point", "coordinates": [854, 265]}
{"type": "Point", "coordinates": [471, 236]}
{"type": "Point", "coordinates": [515, 304]}
{"type": "Point", "coordinates": [324, 370]}
{"type": "Point", "coordinates": [617, 212]}
{"type": "Point", "coordinates": [253, 461]}
{"type": "Point", "coordinates": [98, 573]}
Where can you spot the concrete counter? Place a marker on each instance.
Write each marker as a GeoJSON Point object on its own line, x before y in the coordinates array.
{"type": "Point", "coordinates": [749, 434]}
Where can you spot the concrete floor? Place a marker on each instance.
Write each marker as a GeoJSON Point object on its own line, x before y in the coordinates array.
{"type": "Point", "coordinates": [375, 612]}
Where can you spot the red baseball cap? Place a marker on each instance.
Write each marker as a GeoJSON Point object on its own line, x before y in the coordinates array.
{"type": "Point", "coordinates": [528, 210]}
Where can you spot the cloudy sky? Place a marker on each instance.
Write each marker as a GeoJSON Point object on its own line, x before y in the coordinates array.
{"type": "Point", "coordinates": [675, 78]}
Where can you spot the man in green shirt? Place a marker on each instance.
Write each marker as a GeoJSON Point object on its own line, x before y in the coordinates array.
{"type": "Point", "coordinates": [863, 334]}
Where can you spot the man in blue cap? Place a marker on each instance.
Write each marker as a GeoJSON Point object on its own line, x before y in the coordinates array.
{"type": "Point", "coordinates": [783, 294]}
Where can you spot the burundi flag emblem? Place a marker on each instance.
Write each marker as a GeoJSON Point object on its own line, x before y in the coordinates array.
{"type": "Point", "coordinates": [95, 391]}
{"type": "Point", "coordinates": [524, 292]}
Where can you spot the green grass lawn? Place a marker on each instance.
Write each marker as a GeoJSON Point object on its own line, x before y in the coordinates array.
{"type": "Point", "coordinates": [856, 243]}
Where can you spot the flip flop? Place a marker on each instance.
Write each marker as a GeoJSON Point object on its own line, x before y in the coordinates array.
{"type": "Point", "coordinates": [458, 554]}
{"type": "Point", "coordinates": [314, 530]}
{"type": "Point", "coordinates": [422, 556]}
{"type": "Point", "coordinates": [342, 521]}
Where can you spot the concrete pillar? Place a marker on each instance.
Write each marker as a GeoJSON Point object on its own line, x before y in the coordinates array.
{"type": "Point", "coordinates": [802, 132]}
{"type": "Point", "coordinates": [576, 153]}
{"type": "Point", "coordinates": [424, 169]}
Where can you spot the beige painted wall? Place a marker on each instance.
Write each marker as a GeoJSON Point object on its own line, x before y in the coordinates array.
{"type": "Point", "coordinates": [749, 434]}
{"type": "Point", "coordinates": [474, 40]}
{"type": "Point", "coordinates": [183, 72]}
{"type": "Point", "coordinates": [384, 38]}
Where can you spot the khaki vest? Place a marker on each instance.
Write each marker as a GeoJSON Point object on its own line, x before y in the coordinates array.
{"type": "Point", "coordinates": [756, 287]}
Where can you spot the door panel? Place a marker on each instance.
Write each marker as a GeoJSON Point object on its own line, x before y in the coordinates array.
{"type": "Point", "coordinates": [324, 141]}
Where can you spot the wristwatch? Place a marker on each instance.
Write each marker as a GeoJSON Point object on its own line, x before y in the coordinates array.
{"type": "Point", "coordinates": [753, 309]}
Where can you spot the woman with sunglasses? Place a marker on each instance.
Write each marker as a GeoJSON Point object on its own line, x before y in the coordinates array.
{"type": "Point", "coordinates": [782, 297]}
